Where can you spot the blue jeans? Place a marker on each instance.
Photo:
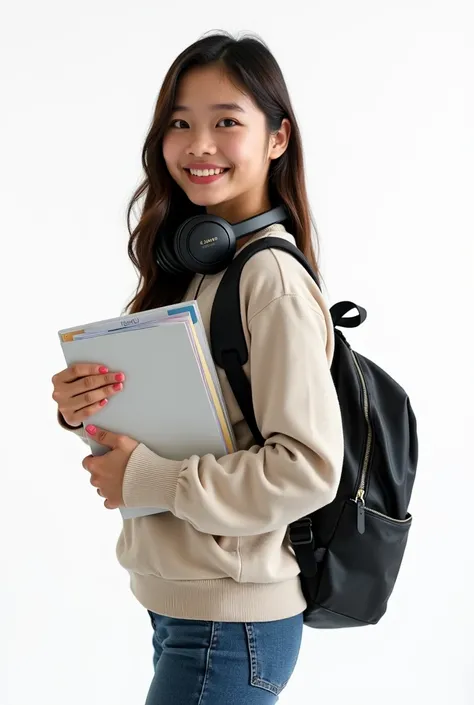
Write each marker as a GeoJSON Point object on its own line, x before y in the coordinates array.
{"type": "Point", "coordinates": [222, 663]}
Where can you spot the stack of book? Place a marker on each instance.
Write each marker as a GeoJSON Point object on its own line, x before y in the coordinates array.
{"type": "Point", "coordinates": [171, 400]}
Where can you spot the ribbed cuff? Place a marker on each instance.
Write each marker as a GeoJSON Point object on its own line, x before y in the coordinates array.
{"type": "Point", "coordinates": [150, 480]}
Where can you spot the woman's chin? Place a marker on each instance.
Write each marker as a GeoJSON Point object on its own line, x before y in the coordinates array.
{"type": "Point", "coordinates": [204, 199]}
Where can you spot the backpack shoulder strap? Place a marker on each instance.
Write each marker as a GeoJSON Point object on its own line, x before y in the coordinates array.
{"type": "Point", "coordinates": [228, 345]}
{"type": "Point", "coordinates": [229, 351]}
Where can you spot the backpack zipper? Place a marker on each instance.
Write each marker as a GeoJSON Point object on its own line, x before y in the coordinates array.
{"type": "Point", "coordinates": [359, 498]}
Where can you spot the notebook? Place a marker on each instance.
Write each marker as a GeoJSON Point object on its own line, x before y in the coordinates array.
{"type": "Point", "coordinates": [171, 400]}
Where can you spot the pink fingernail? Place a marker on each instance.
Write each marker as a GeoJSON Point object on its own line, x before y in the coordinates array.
{"type": "Point", "coordinates": [91, 429]}
{"type": "Point", "coordinates": [103, 370]}
{"type": "Point", "coordinates": [119, 377]}
{"type": "Point", "coordinates": [117, 387]}
{"type": "Point", "coordinates": [103, 402]}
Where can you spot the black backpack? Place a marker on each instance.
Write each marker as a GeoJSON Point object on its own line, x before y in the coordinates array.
{"type": "Point", "coordinates": [350, 551]}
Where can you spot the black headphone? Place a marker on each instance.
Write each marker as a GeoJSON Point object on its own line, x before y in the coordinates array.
{"type": "Point", "coordinates": [206, 244]}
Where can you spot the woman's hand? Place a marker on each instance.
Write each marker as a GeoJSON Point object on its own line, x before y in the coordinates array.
{"type": "Point", "coordinates": [107, 471]}
{"type": "Point", "coordinates": [83, 389]}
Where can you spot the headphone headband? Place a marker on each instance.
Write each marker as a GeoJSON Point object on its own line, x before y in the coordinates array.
{"type": "Point", "coordinates": [260, 221]}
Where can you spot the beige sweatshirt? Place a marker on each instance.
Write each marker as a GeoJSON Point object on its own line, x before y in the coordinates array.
{"type": "Point", "coordinates": [221, 552]}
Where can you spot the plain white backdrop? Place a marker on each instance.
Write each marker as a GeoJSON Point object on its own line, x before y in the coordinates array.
{"type": "Point", "coordinates": [383, 94]}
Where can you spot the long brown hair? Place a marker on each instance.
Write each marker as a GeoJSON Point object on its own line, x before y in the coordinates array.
{"type": "Point", "coordinates": [249, 62]}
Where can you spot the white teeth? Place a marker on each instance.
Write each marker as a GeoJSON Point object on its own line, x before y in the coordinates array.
{"type": "Point", "coordinates": [206, 172]}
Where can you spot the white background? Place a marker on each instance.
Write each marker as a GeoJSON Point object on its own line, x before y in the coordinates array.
{"type": "Point", "coordinates": [383, 94]}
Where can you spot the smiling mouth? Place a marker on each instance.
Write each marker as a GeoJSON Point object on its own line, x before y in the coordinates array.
{"type": "Point", "coordinates": [206, 172]}
{"type": "Point", "coordinates": [205, 176]}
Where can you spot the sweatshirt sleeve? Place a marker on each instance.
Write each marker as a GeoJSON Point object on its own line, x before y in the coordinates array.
{"type": "Point", "coordinates": [298, 469]}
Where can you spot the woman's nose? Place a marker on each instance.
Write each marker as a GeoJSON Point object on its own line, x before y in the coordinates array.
{"type": "Point", "coordinates": [200, 143]}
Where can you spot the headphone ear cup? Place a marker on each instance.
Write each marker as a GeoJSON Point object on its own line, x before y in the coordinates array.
{"type": "Point", "coordinates": [165, 255]}
{"type": "Point", "coordinates": [180, 241]}
{"type": "Point", "coordinates": [205, 244]}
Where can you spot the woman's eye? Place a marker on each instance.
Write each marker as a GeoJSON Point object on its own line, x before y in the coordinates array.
{"type": "Point", "coordinates": [228, 120]}
{"type": "Point", "coordinates": [178, 127]}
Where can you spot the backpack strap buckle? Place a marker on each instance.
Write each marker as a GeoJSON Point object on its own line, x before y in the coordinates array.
{"type": "Point", "coordinates": [301, 532]}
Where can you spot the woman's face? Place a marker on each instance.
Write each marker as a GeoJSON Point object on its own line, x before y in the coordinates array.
{"type": "Point", "coordinates": [216, 126]}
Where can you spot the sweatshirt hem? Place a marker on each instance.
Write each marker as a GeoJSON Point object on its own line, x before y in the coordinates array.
{"type": "Point", "coordinates": [219, 600]}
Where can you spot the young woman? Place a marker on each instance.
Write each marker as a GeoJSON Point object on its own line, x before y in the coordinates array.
{"type": "Point", "coordinates": [216, 572]}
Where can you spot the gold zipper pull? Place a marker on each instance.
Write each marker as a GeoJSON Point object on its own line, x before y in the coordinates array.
{"type": "Point", "coordinates": [360, 511]}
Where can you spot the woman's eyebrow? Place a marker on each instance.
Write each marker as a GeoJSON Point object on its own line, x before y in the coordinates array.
{"type": "Point", "coordinates": [216, 106]}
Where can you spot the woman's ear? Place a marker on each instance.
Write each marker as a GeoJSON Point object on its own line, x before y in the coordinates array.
{"type": "Point", "coordinates": [279, 140]}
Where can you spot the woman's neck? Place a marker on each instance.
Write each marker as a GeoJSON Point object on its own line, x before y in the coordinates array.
{"type": "Point", "coordinates": [240, 209]}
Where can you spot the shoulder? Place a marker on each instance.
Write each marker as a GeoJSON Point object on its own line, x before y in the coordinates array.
{"type": "Point", "coordinates": [275, 274]}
